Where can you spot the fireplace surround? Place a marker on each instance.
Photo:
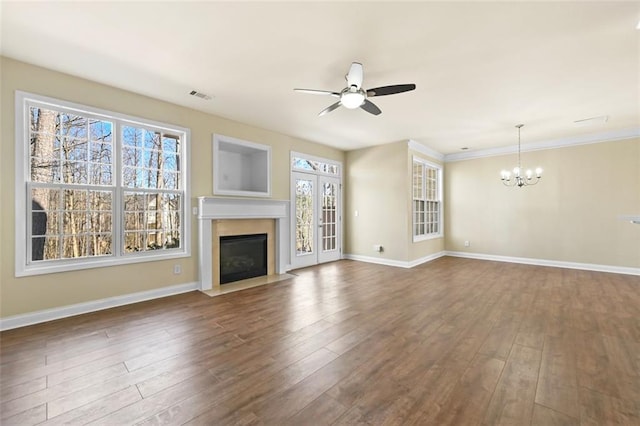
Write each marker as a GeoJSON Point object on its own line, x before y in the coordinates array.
{"type": "Point", "coordinates": [213, 210]}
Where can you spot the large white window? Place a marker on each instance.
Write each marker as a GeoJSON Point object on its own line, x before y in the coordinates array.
{"type": "Point", "coordinates": [427, 200]}
{"type": "Point", "coordinates": [96, 188]}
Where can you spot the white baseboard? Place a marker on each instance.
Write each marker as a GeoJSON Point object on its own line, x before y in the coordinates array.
{"type": "Point", "coordinates": [426, 259]}
{"type": "Point", "coordinates": [510, 259]}
{"type": "Point", "coordinates": [31, 318]}
{"type": "Point", "coordinates": [396, 263]}
{"type": "Point", "coordinates": [543, 262]}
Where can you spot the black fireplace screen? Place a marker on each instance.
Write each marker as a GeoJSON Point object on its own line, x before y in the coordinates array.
{"type": "Point", "coordinates": [242, 257]}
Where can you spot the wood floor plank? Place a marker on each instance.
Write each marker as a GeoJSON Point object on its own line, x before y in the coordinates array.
{"type": "Point", "coordinates": [154, 404]}
{"type": "Point", "coordinates": [50, 394]}
{"type": "Point", "coordinates": [598, 409]}
{"type": "Point", "coordinates": [284, 404]}
{"type": "Point", "coordinates": [470, 398]}
{"type": "Point", "coordinates": [431, 392]}
{"type": "Point", "coordinates": [513, 399]}
{"type": "Point", "coordinates": [543, 416]}
{"type": "Point", "coordinates": [501, 336]}
{"type": "Point", "coordinates": [9, 393]}
{"type": "Point", "coordinates": [97, 409]}
{"type": "Point", "coordinates": [238, 395]}
{"type": "Point", "coordinates": [558, 380]}
{"type": "Point", "coordinates": [452, 341]}
{"type": "Point", "coordinates": [32, 416]}
{"type": "Point", "coordinates": [323, 409]}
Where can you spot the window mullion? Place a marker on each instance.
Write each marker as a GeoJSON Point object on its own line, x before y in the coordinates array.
{"type": "Point", "coordinates": [118, 204]}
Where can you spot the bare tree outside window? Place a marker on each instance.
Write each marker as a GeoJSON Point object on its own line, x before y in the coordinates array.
{"type": "Point", "coordinates": [73, 188]}
{"type": "Point", "coordinates": [70, 161]}
{"type": "Point", "coordinates": [152, 202]}
{"type": "Point", "coordinates": [304, 217]}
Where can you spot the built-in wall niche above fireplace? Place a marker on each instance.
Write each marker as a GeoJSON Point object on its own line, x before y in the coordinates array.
{"type": "Point", "coordinates": [241, 167]}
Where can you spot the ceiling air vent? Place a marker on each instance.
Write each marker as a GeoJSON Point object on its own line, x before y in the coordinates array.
{"type": "Point", "coordinates": [602, 119]}
{"type": "Point", "coordinates": [200, 95]}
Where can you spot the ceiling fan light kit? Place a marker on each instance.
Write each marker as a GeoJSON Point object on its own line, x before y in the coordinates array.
{"type": "Point", "coordinates": [353, 96]}
{"type": "Point", "coordinates": [352, 100]}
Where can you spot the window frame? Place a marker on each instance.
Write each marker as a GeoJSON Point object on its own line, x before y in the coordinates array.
{"type": "Point", "coordinates": [417, 237]}
{"type": "Point", "coordinates": [23, 184]}
{"type": "Point", "coordinates": [312, 158]}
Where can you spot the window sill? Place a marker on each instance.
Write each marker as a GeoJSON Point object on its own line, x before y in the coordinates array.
{"type": "Point", "coordinates": [76, 265]}
{"type": "Point", "coordinates": [419, 238]}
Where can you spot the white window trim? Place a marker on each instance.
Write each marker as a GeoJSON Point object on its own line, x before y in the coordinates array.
{"type": "Point", "coordinates": [440, 233]}
{"type": "Point", "coordinates": [22, 220]}
{"type": "Point", "coordinates": [294, 154]}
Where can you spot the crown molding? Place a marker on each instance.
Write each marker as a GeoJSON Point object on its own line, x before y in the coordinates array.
{"type": "Point", "coordinates": [423, 149]}
{"type": "Point", "coordinates": [614, 135]}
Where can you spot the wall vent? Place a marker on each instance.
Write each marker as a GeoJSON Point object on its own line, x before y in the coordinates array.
{"type": "Point", "coordinates": [200, 95]}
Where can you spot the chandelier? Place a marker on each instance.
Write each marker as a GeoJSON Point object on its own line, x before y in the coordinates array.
{"type": "Point", "coordinates": [520, 178]}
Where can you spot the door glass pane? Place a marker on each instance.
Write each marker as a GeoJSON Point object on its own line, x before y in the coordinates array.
{"type": "Point", "coordinates": [329, 216]}
{"type": "Point", "coordinates": [304, 217]}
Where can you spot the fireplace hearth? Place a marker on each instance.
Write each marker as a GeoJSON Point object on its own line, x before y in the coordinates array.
{"type": "Point", "coordinates": [242, 257]}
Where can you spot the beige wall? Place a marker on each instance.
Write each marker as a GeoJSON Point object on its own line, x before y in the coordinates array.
{"type": "Point", "coordinates": [35, 293]}
{"type": "Point", "coordinates": [572, 215]}
{"type": "Point", "coordinates": [376, 186]}
{"type": "Point", "coordinates": [379, 188]}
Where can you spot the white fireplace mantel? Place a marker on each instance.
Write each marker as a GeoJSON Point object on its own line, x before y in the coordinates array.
{"type": "Point", "coordinates": [214, 208]}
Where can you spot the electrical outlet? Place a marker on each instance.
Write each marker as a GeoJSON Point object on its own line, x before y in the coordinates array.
{"type": "Point", "coordinates": [467, 243]}
{"type": "Point", "coordinates": [177, 269]}
{"type": "Point", "coordinates": [377, 248]}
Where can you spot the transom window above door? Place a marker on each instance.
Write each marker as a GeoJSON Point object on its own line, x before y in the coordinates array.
{"type": "Point", "coordinates": [314, 166]}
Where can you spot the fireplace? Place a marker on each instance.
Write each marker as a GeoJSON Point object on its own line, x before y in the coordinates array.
{"type": "Point", "coordinates": [242, 257]}
{"type": "Point", "coordinates": [221, 217]}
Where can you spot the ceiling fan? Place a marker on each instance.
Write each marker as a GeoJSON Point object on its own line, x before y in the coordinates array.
{"type": "Point", "coordinates": [353, 96]}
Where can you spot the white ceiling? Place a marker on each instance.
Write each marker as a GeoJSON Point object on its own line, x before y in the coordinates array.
{"type": "Point", "coordinates": [480, 68]}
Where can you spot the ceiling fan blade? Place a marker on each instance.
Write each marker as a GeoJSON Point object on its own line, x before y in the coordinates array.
{"type": "Point", "coordinates": [390, 90]}
{"type": "Point", "coordinates": [329, 109]}
{"type": "Point", "coordinates": [370, 107]}
{"type": "Point", "coordinates": [318, 92]}
{"type": "Point", "coordinates": [355, 76]}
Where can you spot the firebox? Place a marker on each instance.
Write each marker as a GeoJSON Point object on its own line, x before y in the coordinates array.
{"type": "Point", "coordinates": [242, 257]}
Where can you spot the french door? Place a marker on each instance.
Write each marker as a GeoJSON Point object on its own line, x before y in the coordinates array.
{"type": "Point", "coordinates": [317, 219]}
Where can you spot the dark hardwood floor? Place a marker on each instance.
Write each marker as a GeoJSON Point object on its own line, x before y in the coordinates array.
{"type": "Point", "coordinates": [455, 341]}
